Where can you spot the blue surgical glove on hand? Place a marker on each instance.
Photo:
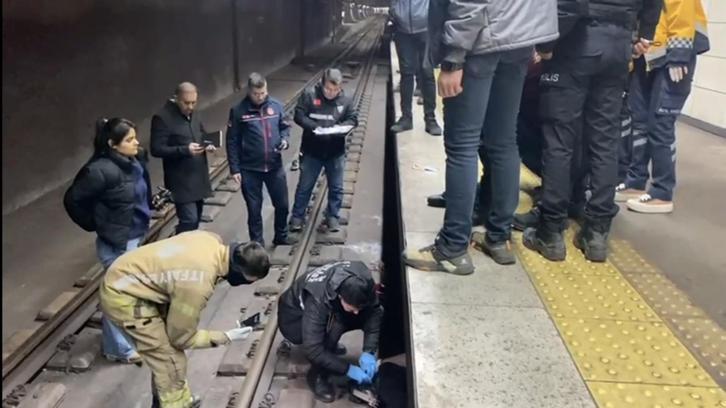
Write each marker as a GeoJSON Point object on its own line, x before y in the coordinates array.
{"type": "Point", "coordinates": [369, 364]}
{"type": "Point", "coordinates": [357, 374]}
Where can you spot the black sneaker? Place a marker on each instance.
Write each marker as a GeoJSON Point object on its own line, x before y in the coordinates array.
{"type": "Point", "coordinates": [287, 240]}
{"type": "Point", "coordinates": [333, 224]}
{"type": "Point", "coordinates": [296, 224]}
{"type": "Point", "coordinates": [593, 242]}
{"type": "Point", "coordinates": [527, 220]}
{"type": "Point", "coordinates": [436, 200]}
{"type": "Point", "coordinates": [402, 125]}
{"type": "Point", "coordinates": [320, 385]}
{"type": "Point", "coordinates": [550, 245]}
{"type": "Point", "coordinates": [500, 252]}
{"type": "Point", "coordinates": [430, 259]}
{"type": "Point", "coordinates": [433, 128]}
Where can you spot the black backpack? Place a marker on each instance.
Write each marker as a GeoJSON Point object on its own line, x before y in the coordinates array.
{"type": "Point", "coordinates": [79, 211]}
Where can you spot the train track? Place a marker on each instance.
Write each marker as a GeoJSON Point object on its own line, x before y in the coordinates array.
{"type": "Point", "coordinates": [22, 363]}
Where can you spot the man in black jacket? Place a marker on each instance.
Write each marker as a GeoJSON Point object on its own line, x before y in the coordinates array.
{"type": "Point", "coordinates": [256, 134]}
{"type": "Point", "coordinates": [322, 305]}
{"type": "Point", "coordinates": [322, 107]}
{"type": "Point", "coordinates": [177, 137]}
{"type": "Point", "coordinates": [581, 91]}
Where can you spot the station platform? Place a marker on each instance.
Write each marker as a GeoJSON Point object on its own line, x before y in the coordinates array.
{"type": "Point", "coordinates": [568, 334]}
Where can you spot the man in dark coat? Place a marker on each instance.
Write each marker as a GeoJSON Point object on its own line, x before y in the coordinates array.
{"type": "Point", "coordinates": [177, 137]}
{"type": "Point", "coordinates": [322, 305]}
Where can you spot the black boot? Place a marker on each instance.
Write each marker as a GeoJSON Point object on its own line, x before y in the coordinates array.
{"type": "Point", "coordinates": [436, 200]}
{"type": "Point", "coordinates": [592, 240]}
{"type": "Point", "coordinates": [320, 385]}
{"type": "Point", "coordinates": [286, 240]}
{"type": "Point", "coordinates": [547, 241]}
{"type": "Point", "coordinates": [403, 124]}
{"type": "Point", "coordinates": [527, 220]}
{"type": "Point", "coordinates": [432, 127]}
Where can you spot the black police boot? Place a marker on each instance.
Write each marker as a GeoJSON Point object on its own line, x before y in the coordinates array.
{"type": "Point", "coordinates": [527, 220]}
{"type": "Point", "coordinates": [320, 385]}
{"type": "Point", "coordinates": [403, 124]}
{"type": "Point", "coordinates": [592, 240]}
{"type": "Point", "coordinates": [432, 127]}
{"type": "Point", "coordinates": [436, 200]}
{"type": "Point", "coordinates": [547, 241]}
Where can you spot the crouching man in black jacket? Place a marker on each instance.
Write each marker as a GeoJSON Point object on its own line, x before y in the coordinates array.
{"type": "Point", "coordinates": [322, 305]}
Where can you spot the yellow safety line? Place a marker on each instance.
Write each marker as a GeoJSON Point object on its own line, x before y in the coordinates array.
{"type": "Point", "coordinates": [624, 350]}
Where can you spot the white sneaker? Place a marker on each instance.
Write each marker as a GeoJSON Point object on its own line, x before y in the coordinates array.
{"type": "Point", "coordinates": [649, 205]}
{"type": "Point", "coordinates": [623, 194]}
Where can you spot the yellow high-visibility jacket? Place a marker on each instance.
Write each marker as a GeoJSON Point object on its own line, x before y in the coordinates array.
{"type": "Point", "coordinates": [179, 272]}
{"type": "Point", "coordinates": [681, 34]}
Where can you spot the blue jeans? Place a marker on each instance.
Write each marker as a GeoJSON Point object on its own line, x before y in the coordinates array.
{"type": "Point", "coordinates": [252, 182]}
{"type": "Point", "coordinates": [116, 344]}
{"type": "Point", "coordinates": [189, 214]}
{"type": "Point", "coordinates": [310, 167]}
{"type": "Point", "coordinates": [656, 102]}
{"type": "Point", "coordinates": [470, 120]}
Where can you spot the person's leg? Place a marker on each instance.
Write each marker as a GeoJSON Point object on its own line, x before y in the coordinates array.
{"type": "Point", "coordinates": [639, 101]}
{"type": "Point", "coordinates": [564, 86]}
{"type": "Point", "coordinates": [252, 192]}
{"type": "Point", "coordinates": [290, 323]}
{"type": "Point", "coordinates": [276, 183]}
{"type": "Point", "coordinates": [309, 171]}
{"type": "Point", "coordinates": [427, 82]}
{"type": "Point", "coordinates": [463, 120]}
{"type": "Point", "coordinates": [168, 364]}
{"type": "Point", "coordinates": [187, 215]}
{"type": "Point", "coordinates": [625, 147]}
{"type": "Point", "coordinates": [408, 63]}
{"type": "Point", "coordinates": [334, 170]}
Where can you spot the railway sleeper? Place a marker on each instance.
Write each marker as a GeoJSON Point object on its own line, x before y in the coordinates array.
{"type": "Point", "coordinates": [79, 355]}
{"type": "Point", "coordinates": [328, 237]}
{"type": "Point", "coordinates": [210, 212]}
{"type": "Point", "coordinates": [220, 198]}
{"type": "Point", "coordinates": [236, 361]}
{"type": "Point", "coordinates": [42, 395]}
{"type": "Point", "coordinates": [56, 305]}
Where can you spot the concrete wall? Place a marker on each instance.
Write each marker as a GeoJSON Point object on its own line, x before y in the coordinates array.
{"type": "Point", "coordinates": [66, 63]}
{"type": "Point", "coordinates": [707, 102]}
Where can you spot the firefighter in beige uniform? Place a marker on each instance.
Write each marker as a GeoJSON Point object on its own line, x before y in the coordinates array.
{"type": "Point", "coordinates": [157, 293]}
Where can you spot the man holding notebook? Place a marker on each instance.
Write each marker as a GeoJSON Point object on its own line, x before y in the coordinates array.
{"type": "Point", "coordinates": [257, 132]}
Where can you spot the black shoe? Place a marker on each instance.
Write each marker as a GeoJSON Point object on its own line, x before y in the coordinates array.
{"type": "Point", "coordinates": [436, 200]}
{"type": "Point", "coordinates": [320, 386]}
{"type": "Point", "coordinates": [500, 252]}
{"type": "Point", "coordinates": [332, 224]}
{"type": "Point", "coordinates": [593, 242]}
{"type": "Point", "coordinates": [287, 240]}
{"type": "Point", "coordinates": [527, 220]}
{"type": "Point", "coordinates": [551, 245]}
{"type": "Point", "coordinates": [433, 128]}
{"type": "Point", "coordinates": [402, 125]}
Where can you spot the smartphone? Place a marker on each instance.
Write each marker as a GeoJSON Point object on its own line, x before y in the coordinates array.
{"type": "Point", "coordinates": [251, 321]}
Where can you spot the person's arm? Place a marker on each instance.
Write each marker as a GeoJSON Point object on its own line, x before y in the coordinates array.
{"type": "Point", "coordinates": [372, 329]}
{"type": "Point", "coordinates": [648, 18]}
{"type": "Point", "coordinates": [187, 303]}
{"type": "Point", "coordinates": [302, 110]}
{"type": "Point", "coordinates": [160, 141]}
{"type": "Point", "coordinates": [284, 125]}
{"type": "Point", "coordinates": [567, 17]}
{"type": "Point", "coordinates": [350, 115]}
{"type": "Point", "coordinates": [465, 20]}
{"type": "Point", "coordinates": [681, 28]}
{"type": "Point", "coordinates": [314, 324]}
{"type": "Point", "coordinates": [233, 143]}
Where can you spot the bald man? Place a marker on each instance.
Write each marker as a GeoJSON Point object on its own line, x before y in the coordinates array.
{"type": "Point", "coordinates": [177, 137]}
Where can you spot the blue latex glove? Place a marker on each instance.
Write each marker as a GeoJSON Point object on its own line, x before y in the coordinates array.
{"type": "Point", "coordinates": [369, 364]}
{"type": "Point", "coordinates": [357, 374]}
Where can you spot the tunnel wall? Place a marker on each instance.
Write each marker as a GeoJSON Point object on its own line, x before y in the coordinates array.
{"type": "Point", "coordinates": [66, 63]}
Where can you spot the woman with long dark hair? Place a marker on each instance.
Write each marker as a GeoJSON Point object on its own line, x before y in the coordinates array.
{"type": "Point", "coordinates": [112, 196]}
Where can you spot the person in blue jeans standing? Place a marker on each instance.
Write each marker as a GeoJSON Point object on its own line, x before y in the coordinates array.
{"type": "Point", "coordinates": [256, 134]}
{"type": "Point", "coordinates": [483, 49]}
{"type": "Point", "coordinates": [324, 106]}
{"type": "Point", "coordinates": [112, 196]}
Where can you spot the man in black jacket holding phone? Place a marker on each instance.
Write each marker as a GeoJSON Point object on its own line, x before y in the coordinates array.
{"type": "Point", "coordinates": [256, 134]}
{"type": "Point", "coordinates": [319, 109]}
{"type": "Point", "coordinates": [177, 137]}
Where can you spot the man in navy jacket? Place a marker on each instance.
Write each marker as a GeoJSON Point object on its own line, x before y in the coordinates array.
{"type": "Point", "coordinates": [256, 134]}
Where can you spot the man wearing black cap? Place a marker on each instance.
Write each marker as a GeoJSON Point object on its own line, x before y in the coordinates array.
{"type": "Point", "coordinates": [322, 305]}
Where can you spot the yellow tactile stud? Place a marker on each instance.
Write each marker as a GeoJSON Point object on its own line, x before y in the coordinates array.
{"type": "Point", "coordinates": [648, 395]}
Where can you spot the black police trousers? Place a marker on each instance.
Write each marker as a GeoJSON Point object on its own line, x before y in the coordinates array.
{"type": "Point", "coordinates": [582, 92]}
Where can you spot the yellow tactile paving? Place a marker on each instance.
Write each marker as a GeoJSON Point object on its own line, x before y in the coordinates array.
{"type": "Point", "coordinates": [618, 338]}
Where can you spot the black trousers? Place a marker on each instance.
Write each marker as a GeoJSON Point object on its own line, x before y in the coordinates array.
{"type": "Point", "coordinates": [411, 49]}
{"type": "Point", "coordinates": [189, 214]}
{"type": "Point", "coordinates": [586, 90]}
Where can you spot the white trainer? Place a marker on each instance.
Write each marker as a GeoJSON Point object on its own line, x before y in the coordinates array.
{"type": "Point", "coordinates": [649, 205]}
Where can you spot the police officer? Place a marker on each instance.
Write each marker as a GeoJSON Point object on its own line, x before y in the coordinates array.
{"type": "Point", "coordinates": [256, 134]}
{"type": "Point", "coordinates": [157, 293]}
{"type": "Point", "coordinates": [324, 106]}
{"type": "Point", "coordinates": [177, 137]}
{"type": "Point", "coordinates": [322, 305]}
{"type": "Point", "coordinates": [583, 80]}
